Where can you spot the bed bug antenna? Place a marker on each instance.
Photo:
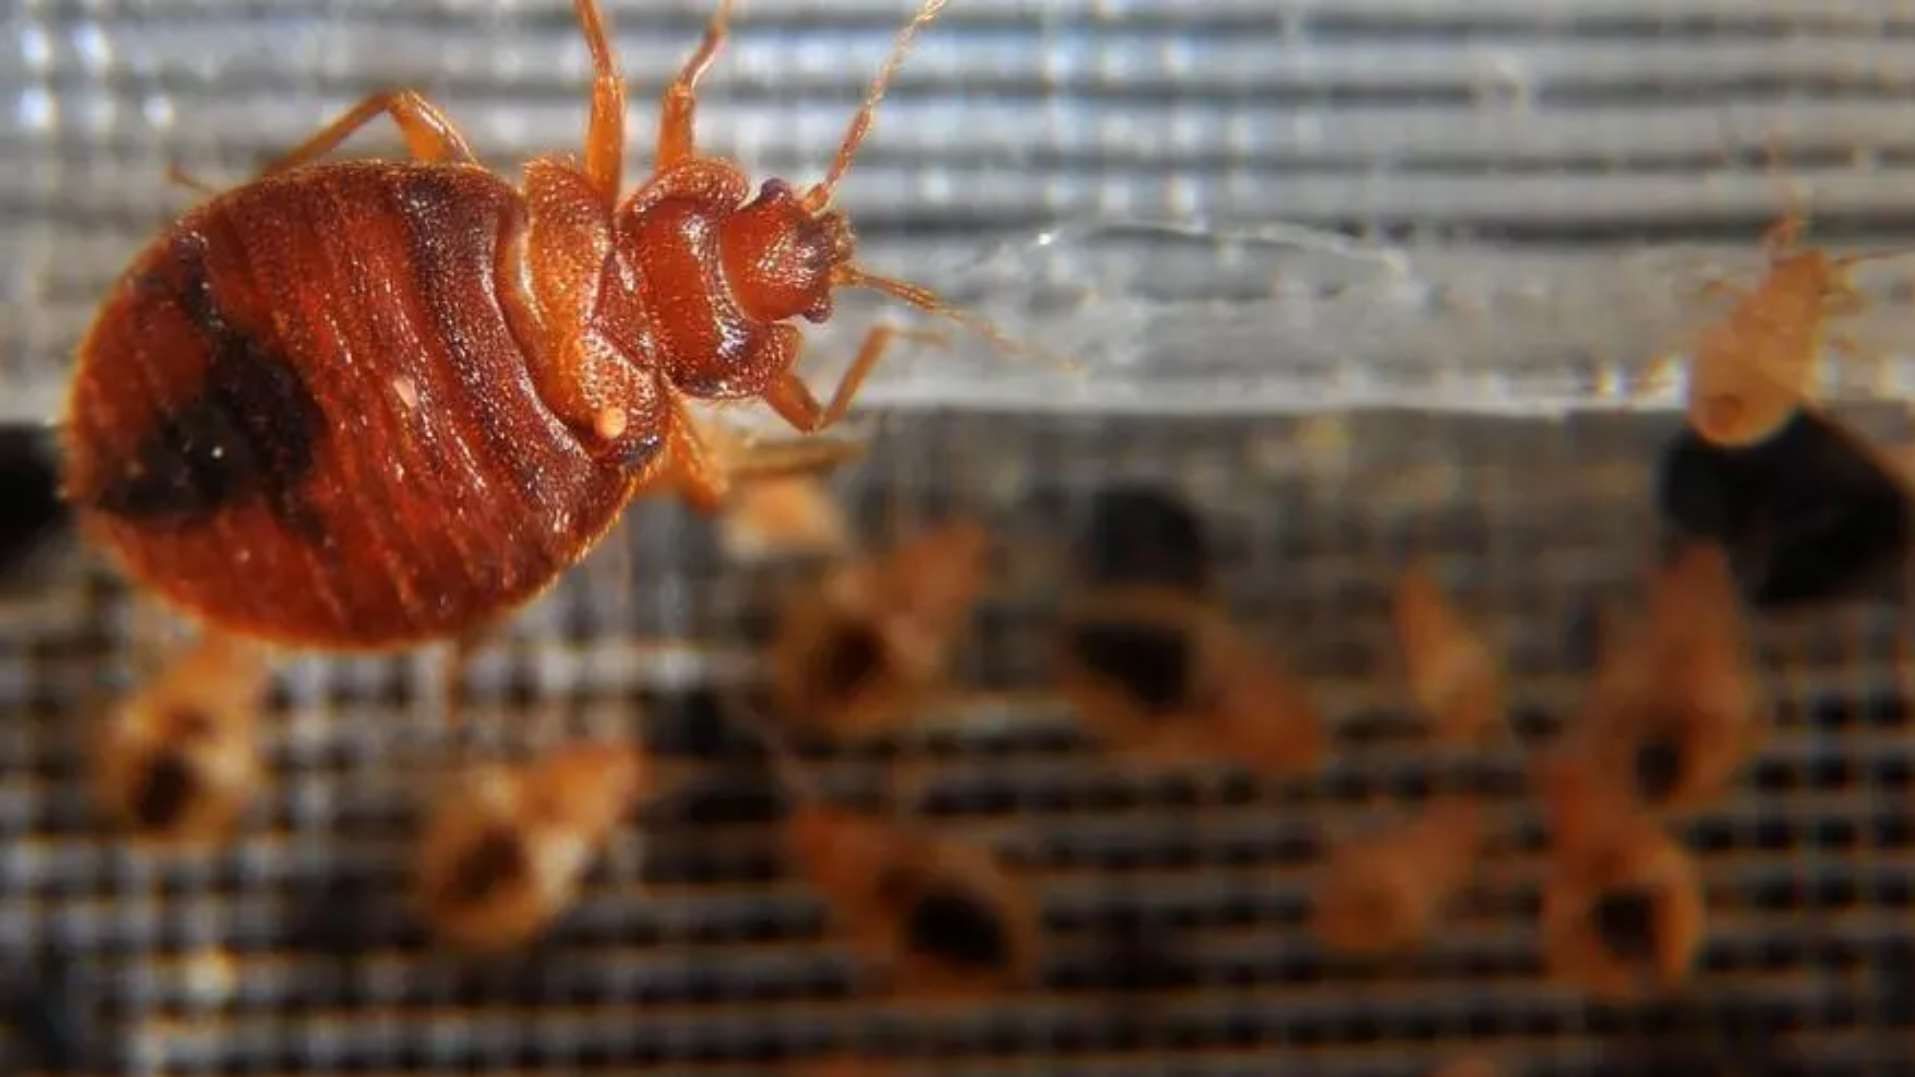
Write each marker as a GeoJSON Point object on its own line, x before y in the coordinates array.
{"type": "Point", "coordinates": [819, 196]}
{"type": "Point", "coordinates": [925, 299]}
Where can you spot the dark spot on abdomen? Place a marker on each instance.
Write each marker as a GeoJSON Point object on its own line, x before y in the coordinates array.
{"type": "Point", "coordinates": [250, 430]}
{"type": "Point", "coordinates": [1659, 767]}
{"type": "Point", "coordinates": [1151, 661]}
{"type": "Point", "coordinates": [497, 859]}
{"type": "Point", "coordinates": [956, 926]}
{"type": "Point", "coordinates": [1625, 920]}
{"type": "Point", "coordinates": [852, 656]}
{"type": "Point", "coordinates": [165, 791]}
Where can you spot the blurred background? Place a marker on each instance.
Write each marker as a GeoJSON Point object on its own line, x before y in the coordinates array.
{"type": "Point", "coordinates": [1354, 280]}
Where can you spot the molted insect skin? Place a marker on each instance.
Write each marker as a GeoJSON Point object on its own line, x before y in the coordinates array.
{"type": "Point", "coordinates": [1674, 709]}
{"type": "Point", "coordinates": [858, 651]}
{"type": "Point", "coordinates": [785, 516]}
{"type": "Point", "coordinates": [946, 919]}
{"type": "Point", "coordinates": [1454, 675]}
{"type": "Point", "coordinates": [177, 760]}
{"type": "Point", "coordinates": [303, 414]}
{"type": "Point", "coordinates": [1162, 674]}
{"type": "Point", "coordinates": [1623, 913]}
{"type": "Point", "coordinates": [505, 849]}
{"type": "Point", "coordinates": [1385, 892]}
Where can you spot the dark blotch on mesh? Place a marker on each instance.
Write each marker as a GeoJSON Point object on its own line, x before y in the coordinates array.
{"type": "Point", "coordinates": [1659, 766]}
{"type": "Point", "coordinates": [166, 789]}
{"type": "Point", "coordinates": [959, 927]}
{"type": "Point", "coordinates": [1141, 534]}
{"type": "Point", "coordinates": [29, 488]}
{"type": "Point", "coordinates": [52, 1014]}
{"type": "Point", "coordinates": [496, 859]}
{"type": "Point", "coordinates": [851, 656]}
{"type": "Point", "coordinates": [1151, 661]}
{"type": "Point", "coordinates": [1626, 922]}
{"type": "Point", "coordinates": [1805, 515]}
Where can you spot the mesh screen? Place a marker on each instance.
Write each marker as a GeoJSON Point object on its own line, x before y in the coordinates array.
{"type": "Point", "coordinates": [1479, 179]}
{"type": "Point", "coordinates": [1175, 898]}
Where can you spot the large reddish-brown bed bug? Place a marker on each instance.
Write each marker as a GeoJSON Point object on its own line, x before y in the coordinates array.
{"type": "Point", "coordinates": [365, 403]}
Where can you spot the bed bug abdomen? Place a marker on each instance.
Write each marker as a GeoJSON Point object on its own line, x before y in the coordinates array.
{"type": "Point", "coordinates": [304, 414]}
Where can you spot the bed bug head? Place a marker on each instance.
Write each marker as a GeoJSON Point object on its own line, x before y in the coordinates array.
{"type": "Point", "coordinates": [784, 252]}
{"type": "Point", "coordinates": [781, 257]}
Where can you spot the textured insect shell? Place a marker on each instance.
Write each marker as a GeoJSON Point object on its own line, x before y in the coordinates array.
{"type": "Point", "coordinates": [303, 414]}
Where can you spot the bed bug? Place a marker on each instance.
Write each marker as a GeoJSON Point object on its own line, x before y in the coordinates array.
{"type": "Point", "coordinates": [937, 917]}
{"type": "Point", "coordinates": [1751, 371]}
{"type": "Point", "coordinates": [872, 639]}
{"type": "Point", "coordinates": [361, 404]}
{"type": "Point", "coordinates": [1161, 673]}
{"type": "Point", "coordinates": [1674, 709]}
{"type": "Point", "coordinates": [1454, 674]}
{"type": "Point", "coordinates": [1385, 892]}
{"type": "Point", "coordinates": [1623, 912]}
{"type": "Point", "coordinates": [941, 917]}
{"type": "Point", "coordinates": [506, 847]}
{"type": "Point", "coordinates": [178, 760]}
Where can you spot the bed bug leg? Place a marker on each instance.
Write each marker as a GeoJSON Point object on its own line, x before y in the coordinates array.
{"type": "Point", "coordinates": [429, 135]}
{"type": "Point", "coordinates": [605, 130]}
{"type": "Point", "coordinates": [694, 469]}
{"type": "Point", "coordinates": [676, 140]}
{"type": "Point", "coordinates": [792, 399]}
